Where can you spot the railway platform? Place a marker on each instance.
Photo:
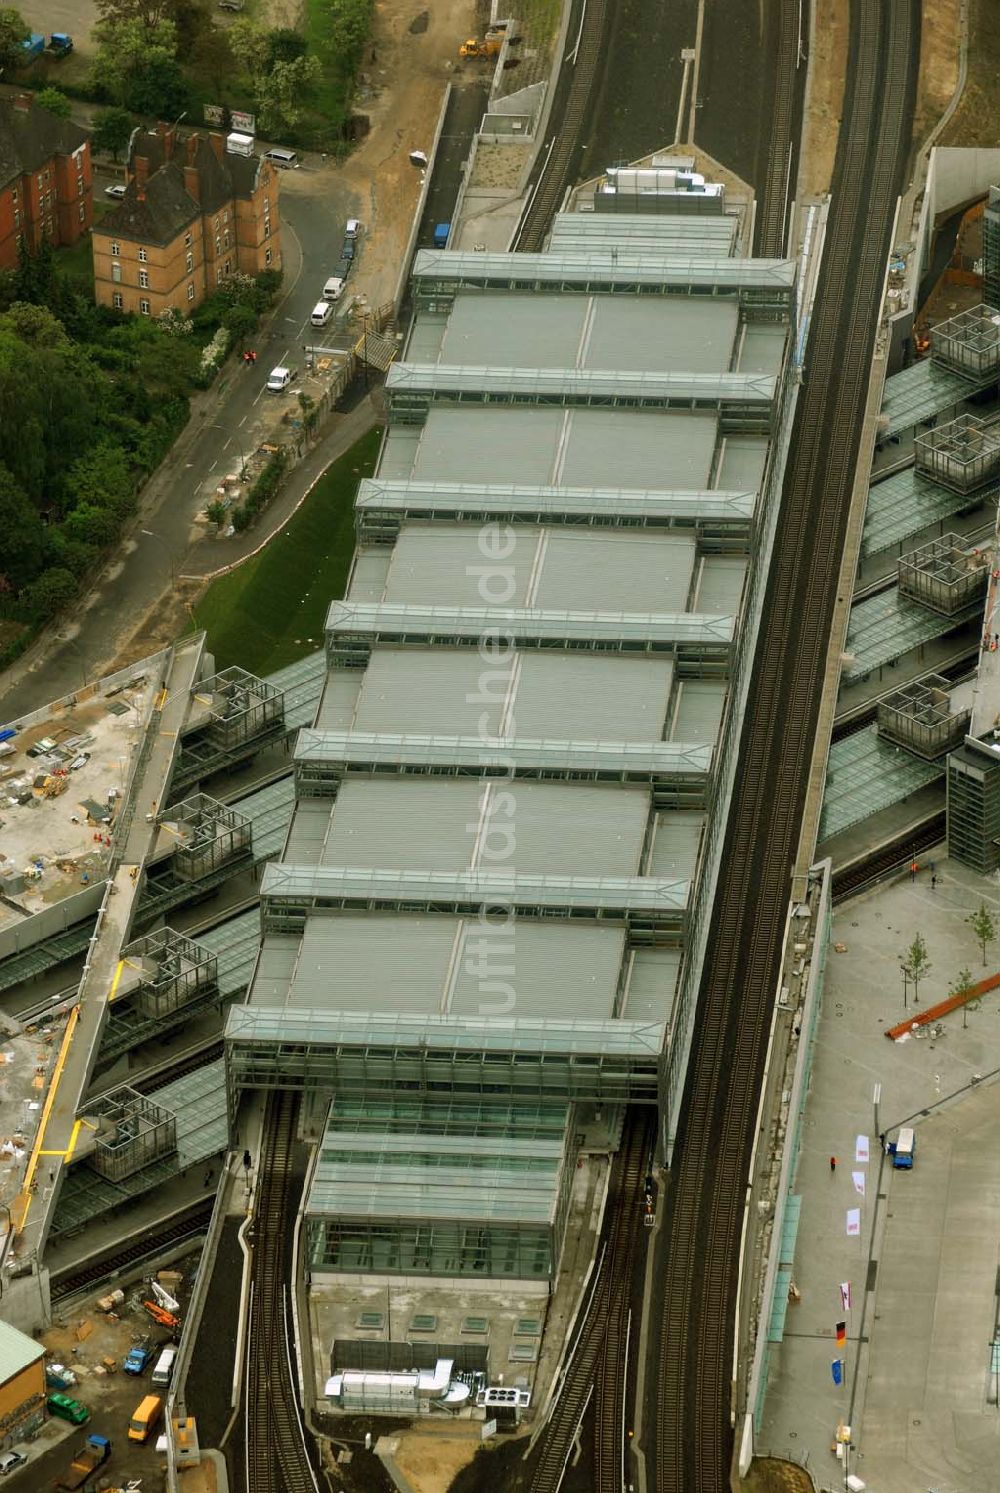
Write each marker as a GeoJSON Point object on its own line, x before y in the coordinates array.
{"type": "Point", "coordinates": [919, 1368]}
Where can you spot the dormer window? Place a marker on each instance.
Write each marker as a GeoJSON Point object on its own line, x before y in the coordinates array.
{"type": "Point", "coordinates": [143, 256]}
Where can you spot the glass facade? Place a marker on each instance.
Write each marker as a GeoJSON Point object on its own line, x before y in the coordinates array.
{"type": "Point", "coordinates": [517, 1252]}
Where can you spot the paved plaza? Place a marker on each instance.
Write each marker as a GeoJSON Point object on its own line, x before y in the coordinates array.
{"type": "Point", "coordinates": [919, 1393]}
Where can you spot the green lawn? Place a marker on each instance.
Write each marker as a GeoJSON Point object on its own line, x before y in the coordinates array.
{"type": "Point", "coordinates": [270, 611]}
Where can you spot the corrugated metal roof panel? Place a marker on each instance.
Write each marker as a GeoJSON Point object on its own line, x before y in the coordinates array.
{"type": "Point", "coordinates": [672, 334]}
{"type": "Point", "coordinates": [652, 984]}
{"type": "Point", "coordinates": [742, 463]}
{"type": "Point", "coordinates": [548, 568]}
{"type": "Point", "coordinates": [720, 585]}
{"type": "Point", "coordinates": [368, 575]}
{"type": "Point", "coordinates": [676, 841]}
{"type": "Point", "coordinates": [513, 331]}
{"type": "Point", "coordinates": [352, 962]}
{"type": "Point", "coordinates": [644, 232]}
{"type": "Point", "coordinates": [473, 444]}
{"type": "Point", "coordinates": [439, 966]}
{"type": "Point", "coordinates": [340, 697]}
{"type": "Point", "coordinates": [699, 710]}
{"type": "Point", "coordinates": [453, 824]}
{"type": "Point", "coordinates": [17, 1351]}
{"type": "Point", "coordinates": [585, 696]}
{"type": "Point", "coordinates": [631, 449]}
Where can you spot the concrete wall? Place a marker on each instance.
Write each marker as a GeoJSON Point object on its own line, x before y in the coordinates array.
{"type": "Point", "coordinates": [51, 920]}
{"type": "Point", "coordinates": [955, 176]}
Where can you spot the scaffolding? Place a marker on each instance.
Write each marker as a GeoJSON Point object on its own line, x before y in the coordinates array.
{"type": "Point", "coordinates": [920, 718]}
{"type": "Point", "coordinates": [233, 715]}
{"type": "Point", "coordinates": [173, 971]}
{"type": "Point", "coordinates": [209, 836]}
{"type": "Point", "coordinates": [132, 1132]}
{"type": "Point", "coordinates": [969, 342]}
{"type": "Point", "coordinates": [945, 575]}
{"type": "Point", "coordinates": [962, 455]}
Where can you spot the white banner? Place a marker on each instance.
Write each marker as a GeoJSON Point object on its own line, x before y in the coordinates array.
{"type": "Point", "coordinates": [845, 1295]}
{"type": "Point", "coordinates": [861, 1148]}
{"type": "Point", "coordinates": [854, 1221]}
{"type": "Point", "coordinates": [858, 1178]}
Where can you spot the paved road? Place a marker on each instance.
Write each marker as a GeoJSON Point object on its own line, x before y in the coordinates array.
{"type": "Point", "coordinates": [314, 207]}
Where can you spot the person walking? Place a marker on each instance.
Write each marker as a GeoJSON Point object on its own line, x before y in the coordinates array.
{"type": "Point", "coordinates": [833, 1163]}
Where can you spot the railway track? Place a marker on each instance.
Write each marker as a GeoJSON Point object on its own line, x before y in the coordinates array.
{"type": "Point", "coordinates": [895, 855]}
{"type": "Point", "coordinates": [596, 1364]}
{"type": "Point", "coordinates": [276, 1453]}
{"type": "Point", "coordinates": [694, 1399]}
{"type": "Point", "coordinates": [190, 1225]}
{"type": "Point", "coordinates": [774, 200]}
{"type": "Point", "coordinates": [584, 57]}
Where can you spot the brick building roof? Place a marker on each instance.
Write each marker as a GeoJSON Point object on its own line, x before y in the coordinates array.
{"type": "Point", "coordinates": [158, 204]}
{"type": "Point", "coordinates": [30, 136]}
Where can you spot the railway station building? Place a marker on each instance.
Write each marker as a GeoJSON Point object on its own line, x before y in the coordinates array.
{"type": "Point", "coordinates": [483, 937]}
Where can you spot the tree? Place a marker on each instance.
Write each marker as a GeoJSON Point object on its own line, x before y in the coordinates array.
{"type": "Point", "coordinates": [281, 75]}
{"type": "Point", "coordinates": [240, 321]}
{"type": "Point", "coordinates": [136, 66]}
{"type": "Point", "coordinates": [982, 924]}
{"type": "Point", "coordinates": [23, 543]}
{"type": "Point", "coordinates": [915, 965]}
{"type": "Point", "coordinates": [13, 31]}
{"type": "Point", "coordinates": [53, 590]}
{"type": "Point", "coordinates": [216, 513]}
{"type": "Point", "coordinates": [112, 130]}
{"type": "Point", "coordinates": [962, 982]}
{"type": "Point", "coordinates": [56, 102]}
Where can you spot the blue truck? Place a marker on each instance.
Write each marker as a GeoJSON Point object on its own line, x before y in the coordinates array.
{"type": "Point", "coordinates": [33, 47]}
{"type": "Point", "coordinates": [136, 1359]}
{"type": "Point", "coordinates": [60, 45]}
{"type": "Point", "coordinates": [441, 233]}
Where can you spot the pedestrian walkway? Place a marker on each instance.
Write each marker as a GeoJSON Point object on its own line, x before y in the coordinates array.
{"type": "Point", "coordinates": [58, 1132]}
{"type": "Point", "coordinates": [920, 1272]}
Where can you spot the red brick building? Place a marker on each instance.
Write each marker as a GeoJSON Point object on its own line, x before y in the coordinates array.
{"type": "Point", "coordinates": [46, 184]}
{"type": "Point", "coordinates": [192, 215]}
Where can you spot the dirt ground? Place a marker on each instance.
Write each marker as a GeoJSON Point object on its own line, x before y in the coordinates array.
{"type": "Point", "coordinates": [939, 49]}
{"type": "Point", "coordinates": [772, 1476]}
{"type": "Point", "coordinates": [977, 118]}
{"type": "Point", "coordinates": [430, 1462]}
{"type": "Point", "coordinates": [822, 123]}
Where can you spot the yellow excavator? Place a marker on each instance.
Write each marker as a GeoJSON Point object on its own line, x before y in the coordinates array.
{"type": "Point", "coordinates": [489, 46]}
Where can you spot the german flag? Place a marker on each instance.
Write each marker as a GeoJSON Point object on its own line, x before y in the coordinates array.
{"type": "Point", "coordinates": [841, 1334]}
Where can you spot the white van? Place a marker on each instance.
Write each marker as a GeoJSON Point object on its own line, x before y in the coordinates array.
{"type": "Point", "coordinates": [164, 1366]}
{"type": "Point", "coordinates": [279, 378]}
{"type": "Point", "coordinates": [285, 160]}
{"type": "Point", "coordinates": [334, 288]}
{"type": "Point", "coordinates": [321, 313]}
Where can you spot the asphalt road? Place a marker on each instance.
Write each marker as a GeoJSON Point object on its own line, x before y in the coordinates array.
{"type": "Point", "coordinates": [314, 208]}
{"type": "Point", "coordinates": [466, 108]}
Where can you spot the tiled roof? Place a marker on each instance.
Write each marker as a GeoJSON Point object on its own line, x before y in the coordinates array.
{"type": "Point", "coordinates": [29, 137]}
{"type": "Point", "coordinates": [158, 215]}
{"type": "Point", "coordinates": [167, 206]}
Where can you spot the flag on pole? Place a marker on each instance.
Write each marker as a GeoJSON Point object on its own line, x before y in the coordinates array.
{"type": "Point", "coordinates": [845, 1295]}
{"type": "Point", "coordinates": [861, 1148]}
{"type": "Point", "coordinates": [858, 1179]}
{"type": "Point", "coordinates": [837, 1370]}
{"type": "Point", "coordinates": [841, 1334]}
{"type": "Point", "coordinates": [854, 1223]}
